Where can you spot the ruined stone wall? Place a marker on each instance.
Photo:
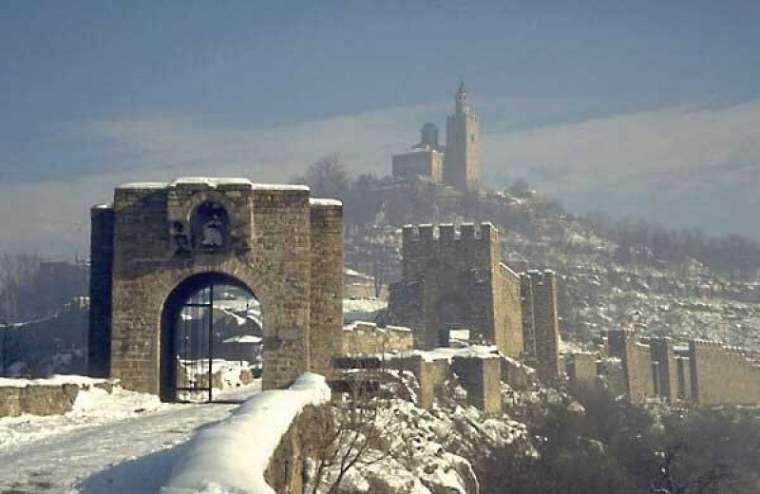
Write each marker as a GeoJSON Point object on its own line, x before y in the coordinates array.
{"type": "Point", "coordinates": [722, 375]}
{"type": "Point", "coordinates": [508, 311]}
{"type": "Point", "coordinates": [42, 397]}
{"type": "Point", "coordinates": [101, 263]}
{"type": "Point", "coordinates": [528, 319]}
{"type": "Point", "coordinates": [481, 378]}
{"type": "Point", "coordinates": [430, 375]}
{"type": "Point", "coordinates": [540, 322]}
{"type": "Point", "coordinates": [637, 365]}
{"type": "Point", "coordinates": [662, 353]}
{"type": "Point", "coordinates": [308, 432]}
{"type": "Point", "coordinates": [453, 279]}
{"type": "Point", "coordinates": [326, 311]}
{"type": "Point", "coordinates": [683, 376]}
{"type": "Point", "coordinates": [267, 249]}
{"type": "Point", "coordinates": [365, 338]}
{"type": "Point", "coordinates": [612, 370]}
{"type": "Point", "coordinates": [582, 368]}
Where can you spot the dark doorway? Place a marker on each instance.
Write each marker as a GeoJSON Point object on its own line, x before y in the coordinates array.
{"type": "Point", "coordinates": [211, 340]}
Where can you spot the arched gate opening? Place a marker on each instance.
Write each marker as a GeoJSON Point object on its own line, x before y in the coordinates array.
{"type": "Point", "coordinates": [211, 338]}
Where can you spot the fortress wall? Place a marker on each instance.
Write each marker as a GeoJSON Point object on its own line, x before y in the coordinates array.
{"type": "Point", "coordinates": [722, 375]}
{"type": "Point", "coordinates": [662, 353]}
{"type": "Point", "coordinates": [528, 319]}
{"type": "Point", "coordinates": [326, 310]}
{"type": "Point", "coordinates": [541, 290]}
{"type": "Point", "coordinates": [405, 306]}
{"type": "Point", "coordinates": [464, 248]}
{"type": "Point", "coordinates": [582, 368]}
{"type": "Point", "coordinates": [683, 376]}
{"type": "Point", "coordinates": [365, 338]}
{"type": "Point", "coordinates": [614, 374]}
{"type": "Point", "coordinates": [508, 312]}
{"type": "Point", "coordinates": [637, 365]}
{"type": "Point", "coordinates": [448, 275]}
{"type": "Point", "coordinates": [430, 375]}
{"type": "Point", "coordinates": [481, 378]}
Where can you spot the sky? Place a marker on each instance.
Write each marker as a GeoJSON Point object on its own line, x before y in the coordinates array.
{"type": "Point", "coordinates": [641, 108]}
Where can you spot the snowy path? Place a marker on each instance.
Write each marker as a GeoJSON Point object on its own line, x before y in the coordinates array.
{"type": "Point", "coordinates": [132, 455]}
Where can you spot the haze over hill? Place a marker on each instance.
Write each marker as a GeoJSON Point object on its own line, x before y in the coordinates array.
{"type": "Point", "coordinates": [691, 167]}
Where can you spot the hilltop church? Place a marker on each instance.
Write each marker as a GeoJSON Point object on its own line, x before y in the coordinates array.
{"type": "Point", "coordinates": [456, 164]}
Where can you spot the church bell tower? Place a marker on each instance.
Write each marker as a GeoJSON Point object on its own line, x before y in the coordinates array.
{"type": "Point", "coordinates": [461, 167]}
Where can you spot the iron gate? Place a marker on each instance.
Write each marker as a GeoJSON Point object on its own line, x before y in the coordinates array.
{"type": "Point", "coordinates": [194, 348]}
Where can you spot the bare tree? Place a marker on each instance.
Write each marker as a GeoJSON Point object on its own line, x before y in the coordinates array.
{"type": "Point", "coordinates": [674, 480]}
{"type": "Point", "coordinates": [364, 430]}
{"type": "Point", "coordinates": [326, 178]}
{"type": "Point", "coordinates": [16, 272]}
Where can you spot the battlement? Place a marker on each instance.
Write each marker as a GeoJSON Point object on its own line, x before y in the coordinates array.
{"type": "Point", "coordinates": [463, 247]}
{"type": "Point", "coordinates": [448, 233]}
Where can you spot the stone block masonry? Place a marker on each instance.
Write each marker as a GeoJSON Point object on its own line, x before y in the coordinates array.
{"type": "Point", "coordinates": [540, 322]}
{"type": "Point", "coordinates": [481, 378]}
{"type": "Point", "coordinates": [54, 396]}
{"type": "Point", "coordinates": [453, 279]}
{"type": "Point", "coordinates": [161, 242]}
{"type": "Point", "coordinates": [479, 375]}
{"type": "Point", "coordinates": [365, 338]}
{"type": "Point", "coordinates": [637, 365]}
{"type": "Point", "coordinates": [582, 368]}
{"type": "Point", "coordinates": [721, 374]}
{"type": "Point", "coordinates": [707, 373]}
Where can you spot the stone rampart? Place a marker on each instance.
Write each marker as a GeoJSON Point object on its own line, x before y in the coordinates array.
{"type": "Point", "coordinates": [668, 384]}
{"type": "Point", "coordinates": [43, 396]}
{"type": "Point", "coordinates": [540, 322]}
{"type": "Point", "coordinates": [636, 358]}
{"type": "Point", "coordinates": [285, 473]}
{"type": "Point", "coordinates": [430, 374]}
{"type": "Point", "coordinates": [365, 338]}
{"type": "Point", "coordinates": [722, 375]}
{"type": "Point", "coordinates": [582, 368]}
{"type": "Point", "coordinates": [481, 378]}
{"type": "Point", "coordinates": [508, 311]}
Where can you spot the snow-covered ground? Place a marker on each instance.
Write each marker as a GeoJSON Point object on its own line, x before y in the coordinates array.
{"type": "Point", "coordinates": [122, 443]}
{"type": "Point", "coordinates": [364, 309]}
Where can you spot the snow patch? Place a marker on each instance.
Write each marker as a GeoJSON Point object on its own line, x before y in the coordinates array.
{"type": "Point", "coordinates": [56, 380]}
{"type": "Point", "coordinates": [223, 458]}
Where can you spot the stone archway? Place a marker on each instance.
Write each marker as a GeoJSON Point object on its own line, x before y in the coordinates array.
{"type": "Point", "coordinates": [174, 307]}
{"type": "Point", "coordinates": [451, 314]}
{"type": "Point", "coordinates": [158, 242]}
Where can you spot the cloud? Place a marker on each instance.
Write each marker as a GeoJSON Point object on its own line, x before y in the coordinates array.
{"type": "Point", "coordinates": [52, 216]}
{"type": "Point", "coordinates": [691, 166]}
{"type": "Point", "coordinates": [686, 166]}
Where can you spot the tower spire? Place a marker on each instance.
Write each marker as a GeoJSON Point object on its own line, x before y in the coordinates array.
{"type": "Point", "coordinates": [461, 103]}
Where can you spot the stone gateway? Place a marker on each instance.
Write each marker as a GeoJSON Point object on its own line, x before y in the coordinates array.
{"type": "Point", "coordinates": [158, 243]}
